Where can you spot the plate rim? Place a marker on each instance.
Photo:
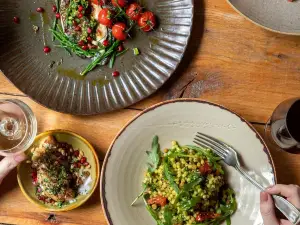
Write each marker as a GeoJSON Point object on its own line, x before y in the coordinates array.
{"type": "Point", "coordinates": [153, 107]}
{"type": "Point", "coordinates": [258, 24]}
{"type": "Point", "coordinates": [71, 206]}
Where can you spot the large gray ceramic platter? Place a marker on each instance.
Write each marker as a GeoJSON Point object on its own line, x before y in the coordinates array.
{"type": "Point", "coordinates": [24, 63]}
{"type": "Point", "coordinates": [276, 15]}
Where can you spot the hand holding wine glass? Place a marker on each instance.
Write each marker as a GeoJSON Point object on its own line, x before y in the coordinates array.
{"type": "Point", "coordinates": [9, 163]}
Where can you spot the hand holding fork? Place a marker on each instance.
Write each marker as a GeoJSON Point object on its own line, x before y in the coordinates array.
{"type": "Point", "coordinates": [230, 157]}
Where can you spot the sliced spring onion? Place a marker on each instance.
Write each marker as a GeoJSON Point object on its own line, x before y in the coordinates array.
{"type": "Point", "coordinates": [136, 51]}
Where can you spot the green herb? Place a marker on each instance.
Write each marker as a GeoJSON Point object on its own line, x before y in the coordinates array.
{"type": "Point", "coordinates": [60, 204]}
{"type": "Point", "coordinates": [122, 52]}
{"type": "Point", "coordinates": [57, 3]}
{"type": "Point", "coordinates": [150, 210]}
{"type": "Point", "coordinates": [154, 155]}
{"type": "Point", "coordinates": [136, 51]}
{"type": "Point", "coordinates": [112, 60]}
{"type": "Point", "coordinates": [106, 54]}
{"type": "Point", "coordinates": [66, 43]}
{"type": "Point", "coordinates": [169, 175]}
{"type": "Point", "coordinates": [140, 195]}
{"type": "Point", "coordinates": [190, 203]}
{"type": "Point", "coordinates": [168, 215]}
{"type": "Point", "coordinates": [228, 220]}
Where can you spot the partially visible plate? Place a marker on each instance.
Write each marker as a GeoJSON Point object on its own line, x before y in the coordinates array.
{"type": "Point", "coordinates": [125, 162]}
{"type": "Point", "coordinates": [276, 15]}
{"type": "Point", "coordinates": [24, 63]}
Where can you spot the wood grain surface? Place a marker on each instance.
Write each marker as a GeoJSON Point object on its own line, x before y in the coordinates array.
{"type": "Point", "coordinates": [229, 61]}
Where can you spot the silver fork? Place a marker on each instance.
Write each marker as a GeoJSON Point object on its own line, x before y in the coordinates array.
{"type": "Point", "coordinates": [230, 157]}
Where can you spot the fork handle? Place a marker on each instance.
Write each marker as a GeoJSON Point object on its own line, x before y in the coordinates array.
{"type": "Point", "coordinates": [287, 208]}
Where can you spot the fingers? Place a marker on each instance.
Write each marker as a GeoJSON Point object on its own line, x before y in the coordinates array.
{"type": "Point", "coordinates": [285, 222]}
{"type": "Point", "coordinates": [267, 209]}
{"type": "Point", "coordinates": [291, 192]}
{"type": "Point", "coordinates": [8, 163]}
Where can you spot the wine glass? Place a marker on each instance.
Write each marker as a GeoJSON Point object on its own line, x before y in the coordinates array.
{"type": "Point", "coordinates": [283, 128]}
{"type": "Point", "coordinates": [18, 127]}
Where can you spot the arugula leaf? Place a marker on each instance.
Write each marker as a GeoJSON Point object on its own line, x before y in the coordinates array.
{"type": "Point", "coordinates": [140, 195]}
{"type": "Point", "coordinates": [168, 215]}
{"type": "Point", "coordinates": [187, 204]}
{"type": "Point", "coordinates": [152, 212]}
{"type": "Point", "coordinates": [210, 155]}
{"type": "Point", "coordinates": [228, 220]}
{"type": "Point", "coordinates": [169, 175]}
{"type": "Point", "coordinates": [197, 179]}
{"type": "Point", "coordinates": [154, 155]}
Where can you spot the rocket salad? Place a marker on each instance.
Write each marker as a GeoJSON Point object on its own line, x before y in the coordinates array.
{"type": "Point", "coordinates": [185, 185]}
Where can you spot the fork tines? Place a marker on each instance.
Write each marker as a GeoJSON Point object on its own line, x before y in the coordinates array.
{"type": "Point", "coordinates": [212, 143]}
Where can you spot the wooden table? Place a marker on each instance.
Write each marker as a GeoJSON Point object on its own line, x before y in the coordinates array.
{"type": "Point", "coordinates": [229, 61]}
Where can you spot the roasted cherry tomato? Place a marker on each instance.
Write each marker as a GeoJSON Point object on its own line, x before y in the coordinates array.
{"type": "Point", "coordinates": [205, 168]}
{"type": "Point", "coordinates": [158, 200]}
{"type": "Point", "coordinates": [134, 11]}
{"type": "Point", "coordinates": [121, 3]}
{"type": "Point", "coordinates": [98, 2]}
{"type": "Point", "coordinates": [147, 21]}
{"type": "Point", "coordinates": [105, 17]}
{"type": "Point", "coordinates": [202, 216]}
{"type": "Point", "coordinates": [118, 31]}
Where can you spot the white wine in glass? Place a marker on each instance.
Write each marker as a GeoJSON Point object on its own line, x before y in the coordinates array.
{"type": "Point", "coordinates": [18, 127]}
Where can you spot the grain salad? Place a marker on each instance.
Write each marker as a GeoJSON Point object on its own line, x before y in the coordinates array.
{"type": "Point", "coordinates": [185, 185]}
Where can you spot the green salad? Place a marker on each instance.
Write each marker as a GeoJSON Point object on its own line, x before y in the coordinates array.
{"type": "Point", "coordinates": [185, 185]}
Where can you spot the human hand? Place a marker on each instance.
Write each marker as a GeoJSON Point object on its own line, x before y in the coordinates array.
{"type": "Point", "coordinates": [8, 163]}
{"type": "Point", "coordinates": [267, 208]}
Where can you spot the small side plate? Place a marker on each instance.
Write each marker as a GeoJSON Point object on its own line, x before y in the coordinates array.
{"type": "Point", "coordinates": [78, 142]}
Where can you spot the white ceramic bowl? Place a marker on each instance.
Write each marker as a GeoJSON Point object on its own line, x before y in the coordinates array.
{"type": "Point", "coordinates": [179, 120]}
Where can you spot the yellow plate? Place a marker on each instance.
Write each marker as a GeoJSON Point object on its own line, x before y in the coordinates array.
{"type": "Point", "coordinates": [78, 142]}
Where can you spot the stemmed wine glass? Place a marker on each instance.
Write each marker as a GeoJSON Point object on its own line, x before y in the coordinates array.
{"type": "Point", "coordinates": [18, 127]}
{"type": "Point", "coordinates": [283, 128]}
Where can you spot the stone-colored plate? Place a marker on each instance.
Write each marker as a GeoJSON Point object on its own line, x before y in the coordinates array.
{"type": "Point", "coordinates": [125, 162]}
{"type": "Point", "coordinates": [276, 15]}
{"type": "Point", "coordinates": [24, 63]}
{"type": "Point", "coordinates": [78, 142]}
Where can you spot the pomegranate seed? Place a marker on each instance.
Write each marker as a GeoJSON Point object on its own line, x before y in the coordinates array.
{"type": "Point", "coordinates": [116, 73]}
{"type": "Point", "coordinates": [81, 43]}
{"type": "Point", "coordinates": [89, 30]}
{"type": "Point", "coordinates": [85, 47]}
{"type": "Point", "coordinates": [78, 165]}
{"type": "Point", "coordinates": [57, 15]}
{"type": "Point", "coordinates": [94, 46]}
{"type": "Point", "coordinates": [42, 198]}
{"type": "Point", "coordinates": [47, 49]}
{"type": "Point", "coordinates": [77, 28]}
{"type": "Point", "coordinates": [54, 8]}
{"type": "Point", "coordinates": [40, 9]}
{"type": "Point", "coordinates": [75, 23]}
{"type": "Point", "coordinates": [83, 160]}
{"type": "Point", "coordinates": [76, 153]}
{"type": "Point", "coordinates": [16, 19]}
{"type": "Point", "coordinates": [105, 43]}
{"type": "Point", "coordinates": [80, 15]}
{"type": "Point", "coordinates": [86, 164]}
{"type": "Point", "coordinates": [120, 48]}
{"type": "Point", "coordinates": [80, 8]}
{"type": "Point", "coordinates": [89, 39]}
{"type": "Point", "coordinates": [75, 165]}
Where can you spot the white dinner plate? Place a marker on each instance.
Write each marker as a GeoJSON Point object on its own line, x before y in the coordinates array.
{"type": "Point", "coordinates": [179, 120]}
{"type": "Point", "coordinates": [280, 16]}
